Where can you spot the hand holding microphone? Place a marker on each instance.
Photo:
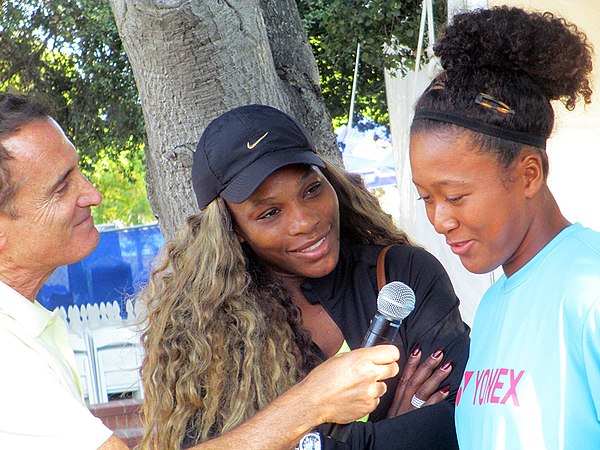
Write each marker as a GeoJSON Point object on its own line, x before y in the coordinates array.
{"type": "Point", "coordinates": [395, 301]}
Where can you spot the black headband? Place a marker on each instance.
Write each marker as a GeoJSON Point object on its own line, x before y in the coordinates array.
{"type": "Point", "coordinates": [481, 127]}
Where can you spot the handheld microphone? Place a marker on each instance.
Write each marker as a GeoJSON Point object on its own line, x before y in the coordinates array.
{"type": "Point", "coordinates": [395, 301]}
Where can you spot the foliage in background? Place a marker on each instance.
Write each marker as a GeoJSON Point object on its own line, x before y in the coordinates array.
{"type": "Point", "coordinates": [122, 182]}
{"type": "Point", "coordinates": [335, 27]}
{"type": "Point", "coordinates": [70, 51]}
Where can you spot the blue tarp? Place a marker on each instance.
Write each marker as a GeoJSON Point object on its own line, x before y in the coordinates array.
{"type": "Point", "coordinates": [118, 267]}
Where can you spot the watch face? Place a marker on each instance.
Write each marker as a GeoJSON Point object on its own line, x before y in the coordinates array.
{"type": "Point", "coordinates": [311, 441]}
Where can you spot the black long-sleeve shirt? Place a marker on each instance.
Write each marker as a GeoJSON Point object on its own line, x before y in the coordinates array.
{"type": "Point", "coordinates": [349, 295]}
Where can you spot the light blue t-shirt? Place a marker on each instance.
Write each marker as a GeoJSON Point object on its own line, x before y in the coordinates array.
{"type": "Point", "coordinates": [533, 376]}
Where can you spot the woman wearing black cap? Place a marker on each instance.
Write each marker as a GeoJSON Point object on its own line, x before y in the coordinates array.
{"type": "Point", "coordinates": [479, 163]}
{"type": "Point", "coordinates": [276, 274]}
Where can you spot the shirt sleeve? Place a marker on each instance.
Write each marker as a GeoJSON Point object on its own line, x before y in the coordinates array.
{"type": "Point", "coordinates": [436, 320]}
{"type": "Point", "coordinates": [591, 353]}
{"type": "Point", "coordinates": [36, 410]}
{"type": "Point", "coordinates": [422, 429]}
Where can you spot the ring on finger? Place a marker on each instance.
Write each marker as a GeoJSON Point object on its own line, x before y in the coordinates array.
{"type": "Point", "coordinates": [416, 401]}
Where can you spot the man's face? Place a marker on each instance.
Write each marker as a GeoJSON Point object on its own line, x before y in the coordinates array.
{"type": "Point", "coordinates": [52, 225]}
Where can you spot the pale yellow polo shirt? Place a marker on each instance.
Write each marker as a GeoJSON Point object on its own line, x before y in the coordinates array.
{"type": "Point", "coordinates": [41, 402]}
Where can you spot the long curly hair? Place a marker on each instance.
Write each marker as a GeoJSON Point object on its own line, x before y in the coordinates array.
{"type": "Point", "coordinates": [222, 337]}
{"type": "Point", "coordinates": [524, 59]}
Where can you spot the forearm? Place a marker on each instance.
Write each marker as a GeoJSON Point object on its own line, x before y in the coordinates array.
{"type": "Point", "coordinates": [279, 426]}
{"type": "Point", "coordinates": [323, 396]}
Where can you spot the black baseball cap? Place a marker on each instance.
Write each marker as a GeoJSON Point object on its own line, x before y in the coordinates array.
{"type": "Point", "coordinates": [242, 147]}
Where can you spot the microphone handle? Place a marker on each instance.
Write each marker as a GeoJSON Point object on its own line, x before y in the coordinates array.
{"type": "Point", "coordinates": [382, 330]}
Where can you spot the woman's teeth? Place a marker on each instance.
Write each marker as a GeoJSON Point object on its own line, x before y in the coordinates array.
{"type": "Point", "coordinates": [313, 247]}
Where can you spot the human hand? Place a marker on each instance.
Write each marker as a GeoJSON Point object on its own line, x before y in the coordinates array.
{"type": "Point", "coordinates": [421, 381]}
{"type": "Point", "coordinates": [347, 387]}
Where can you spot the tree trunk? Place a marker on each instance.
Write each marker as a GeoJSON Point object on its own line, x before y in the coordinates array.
{"type": "Point", "coordinates": [193, 60]}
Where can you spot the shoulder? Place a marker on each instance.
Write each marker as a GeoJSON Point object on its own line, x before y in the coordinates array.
{"type": "Point", "coordinates": [416, 255]}
{"type": "Point", "coordinates": [588, 243]}
{"type": "Point", "coordinates": [577, 260]}
{"type": "Point", "coordinates": [15, 340]}
{"type": "Point", "coordinates": [34, 371]}
{"type": "Point", "coordinates": [399, 254]}
{"type": "Point", "coordinates": [568, 273]}
{"type": "Point", "coordinates": [580, 243]}
{"type": "Point", "coordinates": [415, 263]}
{"type": "Point", "coordinates": [412, 265]}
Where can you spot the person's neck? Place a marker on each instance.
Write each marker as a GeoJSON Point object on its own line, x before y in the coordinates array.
{"type": "Point", "coordinates": [292, 283]}
{"type": "Point", "coordinates": [26, 282]}
{"type": "Point", "coordinates": [546, 224]}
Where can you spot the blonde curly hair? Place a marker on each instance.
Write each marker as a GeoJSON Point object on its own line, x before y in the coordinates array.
{"type": "Point", "coordinates": [222, 337]}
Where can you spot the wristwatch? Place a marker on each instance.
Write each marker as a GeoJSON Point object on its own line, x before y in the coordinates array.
{"type": "Point", "coordinates": [310, 441]}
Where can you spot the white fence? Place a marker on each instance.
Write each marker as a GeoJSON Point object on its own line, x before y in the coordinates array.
{"type": "Point", "coordinates": [107, 349]}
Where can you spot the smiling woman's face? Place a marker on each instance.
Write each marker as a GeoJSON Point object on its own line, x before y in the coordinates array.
{"type": "Point", "coordinates": [291, 222]}
{"type": "Point", "coordinates": [480, 207]}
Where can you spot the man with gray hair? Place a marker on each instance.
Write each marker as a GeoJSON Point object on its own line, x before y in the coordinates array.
{"type": "Point", "coordinates": [45, 222]}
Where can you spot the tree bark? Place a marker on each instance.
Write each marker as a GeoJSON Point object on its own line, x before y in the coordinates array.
{"type": "Point", "coordinates": [195, 59]}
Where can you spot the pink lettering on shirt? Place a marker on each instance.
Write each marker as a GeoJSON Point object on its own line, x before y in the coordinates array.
{"type": "Point", "coordinates": [512, 390]}
{"type": "Point", "coordinates": [466, 378]}
{"type": "Point", "coordinates": [485, 381]}
{"type": "Point", "coordinates": [496, 386]}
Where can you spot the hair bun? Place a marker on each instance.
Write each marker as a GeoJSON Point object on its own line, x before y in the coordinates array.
{"type": "Point", "coordinates": [552, 52]}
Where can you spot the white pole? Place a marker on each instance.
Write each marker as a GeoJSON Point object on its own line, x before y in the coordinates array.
{"type": "Point", "coordinates": [353, 94]}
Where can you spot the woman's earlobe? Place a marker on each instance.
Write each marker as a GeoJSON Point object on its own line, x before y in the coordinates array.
{"type": "Point", "coordinates": [240, 238]}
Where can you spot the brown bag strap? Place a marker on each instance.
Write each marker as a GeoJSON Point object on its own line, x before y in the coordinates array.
{"type": "Point", "coordinates": [381, 266]}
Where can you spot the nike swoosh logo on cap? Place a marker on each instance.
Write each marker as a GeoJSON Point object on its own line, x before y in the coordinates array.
{"type": "Point", "coordinates": [255, 143]}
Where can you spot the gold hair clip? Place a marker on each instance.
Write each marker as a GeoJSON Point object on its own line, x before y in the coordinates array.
{"type": "Point", "coordinates": [490, 102]}
{"type": "Point", "coordinates": [437, 85]}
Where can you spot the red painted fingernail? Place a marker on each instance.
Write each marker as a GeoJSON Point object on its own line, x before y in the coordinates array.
{"type": "Point", "coordinates": [416, 350]}
{"type": "Point", "coordinates": [438, 352]}
{"type": "Point", "coordinates": [445, 389]}
{"type": "Point", "coordinates": [446, 365]}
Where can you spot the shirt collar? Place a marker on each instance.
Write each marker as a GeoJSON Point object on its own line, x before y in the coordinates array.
{"type": "Point", "coordinates": [531, 266]}
{"type": "Point", "coordinates": [32, 317]}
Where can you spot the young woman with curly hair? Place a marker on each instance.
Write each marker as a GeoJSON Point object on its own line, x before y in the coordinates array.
{"type": "Point", "coordinates": [478, 156]}
{"type": "Point", "coordinates": [276, 274]}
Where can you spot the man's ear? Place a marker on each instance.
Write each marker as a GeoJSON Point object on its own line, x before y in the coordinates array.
{"type": "Point", "coordinates": [532, 171]}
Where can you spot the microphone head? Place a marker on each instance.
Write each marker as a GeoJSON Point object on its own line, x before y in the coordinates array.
{"type": "Point", "coordinates": [396, 300]}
